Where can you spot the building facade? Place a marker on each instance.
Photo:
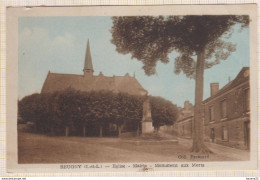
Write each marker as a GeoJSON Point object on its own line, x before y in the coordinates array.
{"type": "Point", "coordinates": [227, 113]}
{"type": "Point", "coordinates": [184, 122]}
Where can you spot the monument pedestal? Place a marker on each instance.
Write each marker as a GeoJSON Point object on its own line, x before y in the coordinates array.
{"type": "Point", "coordinates": [147, 122]}
{"type": "Point", "coordinates": [147, 127]}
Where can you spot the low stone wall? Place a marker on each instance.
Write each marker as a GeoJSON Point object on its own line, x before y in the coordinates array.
{"type": "Point", "coordinates": [28, 127]}
{"type": "Point", "coordinates": [128, 134]}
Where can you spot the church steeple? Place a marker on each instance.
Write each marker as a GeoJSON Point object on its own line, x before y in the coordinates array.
{"type": "Point", "coordinates": [88, 67]}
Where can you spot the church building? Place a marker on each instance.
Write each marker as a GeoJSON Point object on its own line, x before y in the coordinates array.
{"type": "Point", "coordinates": [87, 82]}
{"type": "Point", "coordinates": [90, 82]}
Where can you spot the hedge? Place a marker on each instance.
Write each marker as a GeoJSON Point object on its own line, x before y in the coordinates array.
{"type": "Point", "coordinates": [65, 112]}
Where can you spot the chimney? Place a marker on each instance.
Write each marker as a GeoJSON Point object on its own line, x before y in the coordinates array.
{"type": "Point", "coordinates": [101, 74]}
{"type": "Point", "coordinates": [214, 87]}
{"type": "Point", "coordinates": [186, 105]}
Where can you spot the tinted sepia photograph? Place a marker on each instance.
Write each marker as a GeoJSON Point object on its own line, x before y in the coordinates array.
{"type": "Point", "coordinates": [158, 88]}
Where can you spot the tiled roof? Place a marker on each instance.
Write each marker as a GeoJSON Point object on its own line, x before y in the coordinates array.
{"type": "Point", "coordinates": [126, 84]}
{"type": "Point", "coordinates": [240, 78]}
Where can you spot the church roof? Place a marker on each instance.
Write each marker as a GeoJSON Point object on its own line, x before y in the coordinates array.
{"type": "Point", "coordinates": [125, 84]}
{"type": "Point", "coordinates": [88, 60]}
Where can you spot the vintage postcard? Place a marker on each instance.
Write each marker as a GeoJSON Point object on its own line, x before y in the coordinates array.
{"type": "Point", "coordinates": [131, 88]}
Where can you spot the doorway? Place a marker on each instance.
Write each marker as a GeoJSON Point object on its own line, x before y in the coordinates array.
{"type": "Point", "coordinates": [212, 135]}
{"type": "Point", "coordinates": [247, 134]}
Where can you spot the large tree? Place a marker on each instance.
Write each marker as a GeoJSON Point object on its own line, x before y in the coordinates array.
{"type": "Point", "coordinates": [200, 41]}
{"type": "Point", "coordinates": [163, 112]}
{"type": "Point", "coordinates": [29, 109]}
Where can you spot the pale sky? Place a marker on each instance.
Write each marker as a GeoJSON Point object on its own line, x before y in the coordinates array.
{"type": "Point", "coordinates": [58, 44]}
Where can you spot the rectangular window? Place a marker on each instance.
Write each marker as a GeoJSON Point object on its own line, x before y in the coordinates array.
{"type": "Point", "coordinates": [223, 109]}
{"type": "Point", "coordinates": [212, 134]}
{"type": "Point", "coordinates": [224, 133]}
{"type": "Point", "coordinates": [247, 100]}
{"type": "Point", "coordinates": [211, 113]}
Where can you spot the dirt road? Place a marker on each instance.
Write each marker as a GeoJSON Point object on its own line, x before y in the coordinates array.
{"type": "Point", "coordinates": [36, 148]}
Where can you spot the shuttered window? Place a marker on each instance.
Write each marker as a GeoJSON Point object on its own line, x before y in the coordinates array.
{"type": "Point", "coordinates": [224, 133]}
{"type": "Point", "coordinates": [211, 113]}
{"type": "Point", "coordinates": [247, 100]}
{"type": "Point", "coordinates": [223, 108]}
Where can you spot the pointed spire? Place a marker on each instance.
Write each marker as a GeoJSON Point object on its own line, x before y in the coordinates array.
{"type": "Point", "coordinates": [88, 67]}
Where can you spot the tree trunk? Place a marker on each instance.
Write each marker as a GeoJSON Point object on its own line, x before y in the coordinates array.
{"type": "Point", "coordinates": [52, 131]}
{"type": "Point", "coordinates": [84, 130]}
{"type": "Point", "coordinates": [138, 129]}
{"type": "Point", "coordinates": [156, 128]}
{"type": "Point", "coordinates": [119, 130]}
{"type": "Point", "coordinates": [197, 135]}
{"type": "Point", "coordinates": [100, 131]}
{"type": "Point", "coordinates": [67, 131]}
{"type": "Point", "coordinates": [35, 128]}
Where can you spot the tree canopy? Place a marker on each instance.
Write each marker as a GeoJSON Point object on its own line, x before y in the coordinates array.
{"type": "Point", "coordinates": [151, 38]}
{"type": "Point", "coordinates": [163, 111]}
{"type": "Point", "coordinates": [52, 112]}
